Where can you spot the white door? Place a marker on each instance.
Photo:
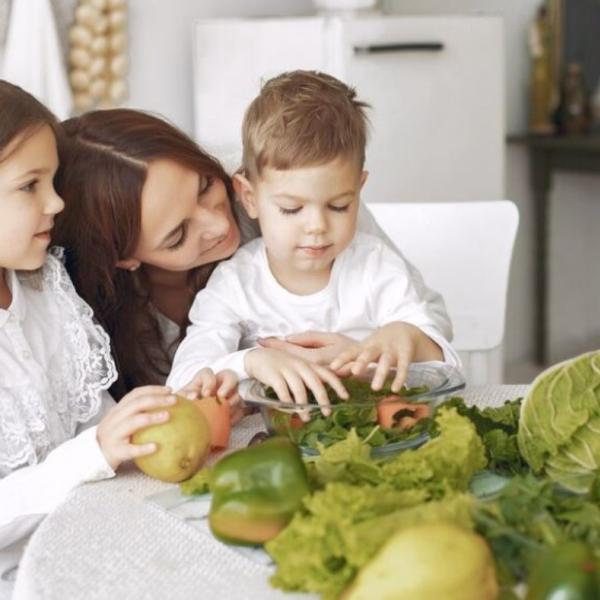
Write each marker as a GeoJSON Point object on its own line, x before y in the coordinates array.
{"type": "Point", "coordinates": [435, 85]}
{"type": "Point", "coordinates": [232, 57]}
{"type": "Point", "coordinates": [437, 92]}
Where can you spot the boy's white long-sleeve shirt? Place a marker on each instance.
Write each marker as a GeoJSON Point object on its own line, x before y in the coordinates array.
{"type": "Point", "coordinates": [370, 285]}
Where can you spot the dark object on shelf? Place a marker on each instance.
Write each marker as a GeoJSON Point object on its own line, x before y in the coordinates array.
{"type": "Point", "coordinates": [546, 155]}
{"type": "Point", "coordinates": [573, 116]}
{"type": "Point", "coordinates": [581, 36]}
{"type": "Point", "coordinates": [544, 46]}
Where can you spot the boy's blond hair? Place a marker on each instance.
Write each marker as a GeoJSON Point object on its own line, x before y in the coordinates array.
{"type": "Point", "coordinates": [301, 119]}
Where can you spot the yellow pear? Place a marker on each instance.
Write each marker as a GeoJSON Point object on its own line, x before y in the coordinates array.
{"type": "Point", "coordinates": [434, 561]}
{"type": "Point", "coordinates": [182, 443]}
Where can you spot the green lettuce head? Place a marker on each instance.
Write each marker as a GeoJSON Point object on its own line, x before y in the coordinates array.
{"type": "Point", "coordinates": [559, 428]}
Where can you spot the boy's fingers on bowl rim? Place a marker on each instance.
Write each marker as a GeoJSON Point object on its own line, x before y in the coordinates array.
{"type": "Point", "coordinates": [333, 380]}
{"type": "Point", "coordinates": [382, 369]}
{"type": "Point", "coordinates": [280, 387]}
{"type": "Point", "coordinates": [296, 386]}
{"type": "Point", "coordinates": [314, 382]}
{"type": "Point", "coordinates": [401, 373]}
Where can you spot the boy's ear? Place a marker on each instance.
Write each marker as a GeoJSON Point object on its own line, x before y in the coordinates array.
{"type": "Point", "coordinates": [245, 192]}
{"type": "Point", "coordinates": [363, 178]}
{"type": "Point", "coordinates": [129, 264]}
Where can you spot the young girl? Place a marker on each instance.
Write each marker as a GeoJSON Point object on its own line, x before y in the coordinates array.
{"type": "Point", "coordinates": [58, 425]}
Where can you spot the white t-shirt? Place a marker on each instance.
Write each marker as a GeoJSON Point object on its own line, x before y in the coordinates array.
{"type": "Point", "coordinates": [55, 368]}
{"type": "Point", "coordinates": [370, 285]}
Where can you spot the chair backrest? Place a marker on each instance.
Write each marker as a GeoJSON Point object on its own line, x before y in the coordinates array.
{"type": "Point", "coordinates": [463, 251]}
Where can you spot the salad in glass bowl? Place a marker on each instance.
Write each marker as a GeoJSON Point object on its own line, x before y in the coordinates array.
{"type": "Point", "coordinates": [387, 421]}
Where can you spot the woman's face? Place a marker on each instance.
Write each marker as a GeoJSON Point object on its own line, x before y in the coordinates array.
{"type": "Point", "coordinates": [186, 219]}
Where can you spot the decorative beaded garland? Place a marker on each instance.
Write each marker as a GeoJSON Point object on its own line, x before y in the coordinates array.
{"type": "Point", "coordinates": [98, 53]}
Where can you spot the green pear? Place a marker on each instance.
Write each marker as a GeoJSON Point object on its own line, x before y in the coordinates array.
{"type": "Point", "coordinates": [433, 561]}
{"type": "Point", "coordinates": [182, 443]}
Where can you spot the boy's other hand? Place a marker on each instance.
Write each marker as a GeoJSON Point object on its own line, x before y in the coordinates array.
{"type": "Point", "coordinates": [208, 383]}
{"type": "Point", "coordinates": [393, 346]}
{"type": "Point", "coordinates": [222, 384]}
{"type": "Point", "coordinates": [291, 376]}
{"type": "Point", "coordinates": [319, 347]}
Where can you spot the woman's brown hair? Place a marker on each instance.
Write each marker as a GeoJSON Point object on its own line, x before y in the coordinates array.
{"type": "Point", "coordinates": [21, 115]}
{"type": "Point", "coordinates": [104, 156]}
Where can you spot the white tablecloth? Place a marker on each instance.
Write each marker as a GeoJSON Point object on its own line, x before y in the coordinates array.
{"type": "Point", "coordinates": [107, 542]}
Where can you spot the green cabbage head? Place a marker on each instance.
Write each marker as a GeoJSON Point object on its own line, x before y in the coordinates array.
{"type": "Point", "coordinates": [559, 427]}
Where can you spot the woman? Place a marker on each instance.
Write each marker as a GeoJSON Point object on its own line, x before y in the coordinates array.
{"type": "Point", "coordinates": [148, 215]}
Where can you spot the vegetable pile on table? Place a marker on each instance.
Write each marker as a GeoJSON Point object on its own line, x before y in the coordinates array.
{"type": "Point", "coordinates": [429, 523]}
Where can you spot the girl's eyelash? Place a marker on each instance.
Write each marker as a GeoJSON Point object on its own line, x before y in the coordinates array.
{"type": "Point", "coordinates": [340, 208]}
{"type": "Point", "coordinates": [29, 186]}
{"type": "Point", "coordinates": [181, 240]}
{"type": "Point", "coordinates": [289, 211]}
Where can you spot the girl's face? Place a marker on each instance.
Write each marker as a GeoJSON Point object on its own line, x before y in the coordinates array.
{"type": "Point", "coordinates": [28, 201]}
{"type": "Point", "coordinates": [186, 219]}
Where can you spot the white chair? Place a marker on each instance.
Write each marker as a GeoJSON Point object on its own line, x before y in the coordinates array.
{"type": "Point", "coordinates": [463, 251]}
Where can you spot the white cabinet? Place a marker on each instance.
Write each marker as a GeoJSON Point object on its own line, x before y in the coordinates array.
{"type": "Point", "coordinates": [435, 85]}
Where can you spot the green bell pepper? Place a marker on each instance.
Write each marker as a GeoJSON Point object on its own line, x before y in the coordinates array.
{"type": "Point", "coordinates": [256, 491]}
{"type": "Point", "coordinates": [567, 572]}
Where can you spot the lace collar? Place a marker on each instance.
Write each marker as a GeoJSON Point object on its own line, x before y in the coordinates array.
{"type": "Point", "coordinates": [35, 418]}
{"type": "Point", "coordinates": [17, 306]}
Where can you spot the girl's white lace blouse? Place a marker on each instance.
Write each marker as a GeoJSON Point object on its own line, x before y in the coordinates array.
{"type": "Point", "coordinates": [55, 363]}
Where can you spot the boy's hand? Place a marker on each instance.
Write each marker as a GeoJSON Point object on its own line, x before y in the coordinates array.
{"type": "Point", "coordinates": [290, 377]}
{"type": "Point", "coordinates": [395, 345]}
{"type": "Point", "coordinates": [206, 383]}
{"type": "Point", "coordinates": [222, 384]}
{"type": "Point", "coordinates": [128, 416]}
{"type": "Point", "coordinates": [319, 347]}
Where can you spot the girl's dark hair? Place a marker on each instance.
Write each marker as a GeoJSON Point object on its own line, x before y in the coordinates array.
{"type": "Point", "coordinates": [104, 157]}
{"type": "Point", "coordinates": [21, 115]}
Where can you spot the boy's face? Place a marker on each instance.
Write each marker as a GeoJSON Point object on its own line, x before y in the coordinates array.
{"type": "Point", "coordinates": [307, 215]}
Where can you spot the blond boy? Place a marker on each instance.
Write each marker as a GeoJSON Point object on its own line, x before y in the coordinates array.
{"type": "Point", "coordinates": [304, 141]}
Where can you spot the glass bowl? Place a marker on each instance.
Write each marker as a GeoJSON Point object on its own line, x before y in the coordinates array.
{"type": "Point", "coordinates": [428, 385]}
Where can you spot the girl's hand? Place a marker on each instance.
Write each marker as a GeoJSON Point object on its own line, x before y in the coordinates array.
{"type": "Point", "coordinates": [222, 384]}
{"type": "Point", "coordinates": [395, 345]}
{"type": "Point", "coordinates": [290, 377]}
{"type": "Point", "coordinates": [128, 416]}
{"type": "Point", "coordinates": [319, 347]}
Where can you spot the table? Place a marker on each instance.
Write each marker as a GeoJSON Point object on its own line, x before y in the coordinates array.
{"type": "Point", "coordinates": [107, 542]}
{"type": "Point", "coordinates": [549, 154]}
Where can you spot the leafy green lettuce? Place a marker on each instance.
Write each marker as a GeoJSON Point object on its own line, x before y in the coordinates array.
{"type": "Point", "coordinates": [559, 430]}
{"type": "Point", "coordinates": [447, 461]}
{"type": "Point", "coordinates": [345, 525]}
{"type": "Point", "coordinates": [361, 502]}
{"type": "Point", "coordinates": [497, 426]}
